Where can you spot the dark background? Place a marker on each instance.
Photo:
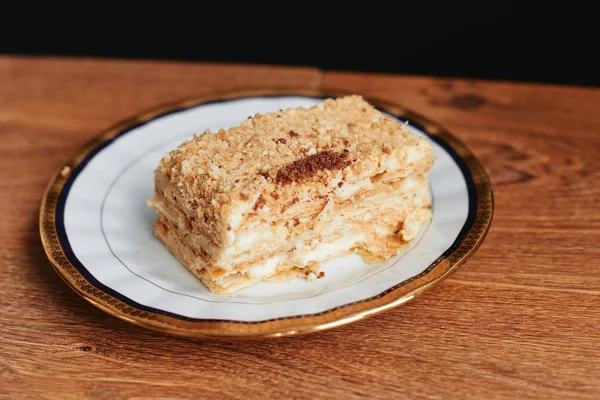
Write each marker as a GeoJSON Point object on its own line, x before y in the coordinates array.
{"type": "Point", "coordinates": [490, 40]}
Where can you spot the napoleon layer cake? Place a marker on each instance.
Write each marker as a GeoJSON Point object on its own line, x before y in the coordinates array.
{"type": "Point", "coordinates": [277, 195]}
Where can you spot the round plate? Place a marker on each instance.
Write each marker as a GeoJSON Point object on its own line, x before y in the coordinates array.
{"type": "Point", "coordinates": [97, 230]}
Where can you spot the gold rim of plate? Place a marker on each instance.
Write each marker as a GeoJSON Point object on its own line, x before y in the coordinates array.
{"type": "Point", "coordinates": [280, 327]}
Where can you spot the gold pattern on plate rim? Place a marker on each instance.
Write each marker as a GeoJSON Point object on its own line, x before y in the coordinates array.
{"type": "Point", "coordinates": [278, 327]}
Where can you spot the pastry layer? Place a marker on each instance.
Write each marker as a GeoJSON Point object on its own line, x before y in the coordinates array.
{"type": "Point", "coordinates": [377, 229]}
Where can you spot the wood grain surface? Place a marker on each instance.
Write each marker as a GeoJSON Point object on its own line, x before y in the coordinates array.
{"type": "Point", "coordinates": [520, 320]}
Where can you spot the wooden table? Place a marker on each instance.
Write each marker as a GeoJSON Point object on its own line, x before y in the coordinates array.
{"type": "Point", "coordinates": [520, 320]}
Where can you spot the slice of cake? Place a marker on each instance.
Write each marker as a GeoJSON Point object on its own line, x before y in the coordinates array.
{"type": "Point", "coordinates": [282, 192]}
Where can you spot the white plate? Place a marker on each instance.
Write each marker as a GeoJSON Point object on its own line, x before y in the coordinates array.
{"type": "Point", "coordinates": [97, 231]}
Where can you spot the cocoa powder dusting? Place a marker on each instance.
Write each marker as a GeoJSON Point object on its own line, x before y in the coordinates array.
{"type": "Point", "coordinates": [259, 203]}
{"type": "Point", "coordinates": [309, 166]}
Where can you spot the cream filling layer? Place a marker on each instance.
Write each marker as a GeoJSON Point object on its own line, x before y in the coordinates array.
{"type": "Point", "coordinates": [299, 257]}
